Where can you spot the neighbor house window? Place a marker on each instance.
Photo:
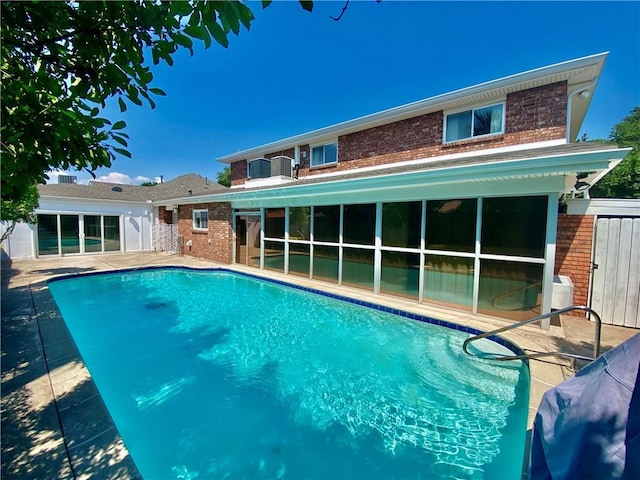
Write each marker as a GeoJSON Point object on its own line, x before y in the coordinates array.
{"type": "Point", "coordinates": [475, 123]}
{"type": "Point", "coordinates": [200, 219]}
{"type": "Point", "coordinates": [323, 154]}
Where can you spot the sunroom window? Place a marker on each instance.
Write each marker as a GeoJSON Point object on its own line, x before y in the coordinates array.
{"type": "Point", "coordinates": [323, 154]}
{"type": "Point", "coordinates": [200, 219]}
{"type": "Point", "coordinates": [475, 123]}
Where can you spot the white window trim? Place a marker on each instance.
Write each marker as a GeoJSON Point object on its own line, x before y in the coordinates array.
{"type": "Point", "coordinates": [503, 103]}
{"type": "Point", "coordinates": [329, 142]}
{"type": "Point", "coordinates": [193, 220]}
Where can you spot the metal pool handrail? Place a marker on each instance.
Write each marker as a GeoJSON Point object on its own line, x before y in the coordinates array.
{"type": "Point", "coordinates": [535, 354]}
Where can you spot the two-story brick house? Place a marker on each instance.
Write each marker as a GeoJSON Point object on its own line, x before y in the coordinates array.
{"type": "Point", "coordinates": [451, 200]}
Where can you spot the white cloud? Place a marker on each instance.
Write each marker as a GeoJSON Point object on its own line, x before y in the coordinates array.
{"type": "Point", "coordinates": [140, 179]}
{"type": "Point", "coordinates": [116, 177]}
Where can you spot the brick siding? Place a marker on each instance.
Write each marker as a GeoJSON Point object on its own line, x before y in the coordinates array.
{"type": "Point", "coordinates": [573, 254]}
{"type": "Point", "coordinates": [213, 244]}
{"type": "Point", "coordinates": [533, 115]}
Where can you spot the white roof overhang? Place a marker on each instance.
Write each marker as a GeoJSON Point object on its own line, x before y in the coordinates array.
{"type": "Point", "coordinates": [580, 74]}
{"type": "Point", "coordinates": [524, 176]}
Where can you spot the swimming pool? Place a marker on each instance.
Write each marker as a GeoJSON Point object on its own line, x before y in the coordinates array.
{"type": "Point", "coordinates": [214, 374]}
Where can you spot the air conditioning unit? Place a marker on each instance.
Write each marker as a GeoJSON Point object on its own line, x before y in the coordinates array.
{"type": "Point", "coordinates": [281, 166]}
{"type": "Point", "coordinates": [562, 293]}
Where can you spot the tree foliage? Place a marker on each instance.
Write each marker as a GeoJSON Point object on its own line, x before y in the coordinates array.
{"type": "Point", "coordinates": [23, 210]}
{"type": "Point", "coordinates": [624, 180]}
{"type": "Point", "coordinates": [61, 61]}
{"type": "Point", "coordinates": [224, 176]}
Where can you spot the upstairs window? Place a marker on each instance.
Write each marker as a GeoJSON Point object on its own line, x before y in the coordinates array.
{"type": "Point", "coordinates": [475, 123]}
{"type": "Point", "coordinates": [200, 219]}
{"type": "Point", "coordinates": [324, 154]}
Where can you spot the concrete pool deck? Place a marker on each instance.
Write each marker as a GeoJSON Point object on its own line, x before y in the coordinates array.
{"type": "Point", "coordinates": [54, 423]}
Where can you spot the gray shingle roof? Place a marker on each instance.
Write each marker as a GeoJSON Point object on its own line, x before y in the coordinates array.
{"type": "Point", "coordinates": [176, 188]}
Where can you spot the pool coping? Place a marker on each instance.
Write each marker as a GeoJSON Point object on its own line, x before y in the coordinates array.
{"type": "Point", "coordinates": [87, 427]}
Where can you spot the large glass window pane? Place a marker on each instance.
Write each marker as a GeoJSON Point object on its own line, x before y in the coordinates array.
{"type": "Point", "coordinates": [325, 263]}
{"type": "Point", "coordinates": [47, 235]}
{"type": "Point", "coordinates": [458, 126]}
{"type": "Point", "coordinates": [69, 234]}
{"type": "Point", "coordinates": [514, 226]}
{"type": "Point", "coordinates": [299, 259]}
{"type": "Point", "coordinates": [449, 281]}
{"type": "Point", "coordinates": [331, 153]}
{"type": "Point", "coordinates": [400, 274]}
{"type": "Point", "coordinates": [357, 268]}
{"type": "Point", "coordinates": [401, 224]}
{"type": "Point", "coordinates": [326, 223]}
{"type": "Point", "coordinates": [487, 120]}
{"type": "Point", "coordinates": [451, 225]}
{"type": "Point", "coordinates": [317, 156]}
{"type": "Point", "coordinates": [359, 224]}
{"type": "Point", "coordinates": [510, 289]}
{"type": "Point", "coordinates": [111, 234]}
{"type": "Point", "coordinates": [274, 223]}
{"type": "Point", "coordinates": [299, 223]}
{"type": "Point", "coordinates": [248, 240]}
{"type": "Point", "coordinates": [274, 256]}
{"type": "Point", "coordinates": [92, 234]}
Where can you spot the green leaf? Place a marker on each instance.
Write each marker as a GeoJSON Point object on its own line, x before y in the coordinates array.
{"type": "Point", "coordinates": [181, 9]}
{"type": "Point", "coordinates": [306, 5]}
{"type": "Point", "coordinates": [183, 41]}
{"type": "Point", "coordinates": [120, 140]}
{"type": "Point", "coordinates": [94, 111]}
{"type": "Point", "coordinates": [195, 31]}
{"type": "Point", "coordinates": [123, 105]}
{"type": "Point", "coordinates": [218, 34]}
{"type": "Point", "coordinates": [266, 3]}
{"type": "Point", "coordinates": [119, 125]}
{"type": "Point", "coordinates": [122, 151]}
{"type": "Point", "coordinates": [157, 91]}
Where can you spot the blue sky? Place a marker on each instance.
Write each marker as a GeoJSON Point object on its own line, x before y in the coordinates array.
{"type": "Point", "coordinates": [296, 71]}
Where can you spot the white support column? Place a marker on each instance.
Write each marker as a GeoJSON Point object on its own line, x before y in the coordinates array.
{"type": "Point", "coordinates": [286, 240]}
{"type": "Point", "coordinates": [340, 237]}
{"type": "Point", "coordinates": [312, 223]}
{"type": "Point", "coordinates": [423, 245]}
{"type": "Point", "coordinates": [549, 256]}
{"type": "Point", "coordinates": [476, 260]}
{"type": "Point", "coordinates": [377, 255]}
{"type": "Point", "coordinates": [262, 219]}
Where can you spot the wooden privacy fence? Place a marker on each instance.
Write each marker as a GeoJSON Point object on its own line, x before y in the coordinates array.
{"type": "Point", "coordinates": [615, 293]}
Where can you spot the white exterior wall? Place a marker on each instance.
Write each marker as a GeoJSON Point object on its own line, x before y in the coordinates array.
{"type": "Point", "coordinates": [136, 219]}
{"type": "Point", "coordinates": [20, 243]}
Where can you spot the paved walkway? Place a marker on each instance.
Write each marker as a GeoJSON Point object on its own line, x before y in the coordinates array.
{"type": "Point", "coordinates": [47, 390]}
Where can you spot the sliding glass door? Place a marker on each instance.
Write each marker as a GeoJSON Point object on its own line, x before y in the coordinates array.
{"type": "Point", "coordinates": [63, 234]}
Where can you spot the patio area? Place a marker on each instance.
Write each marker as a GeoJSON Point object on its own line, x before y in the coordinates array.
{"type": "Point", "coordinates": [54, 423]}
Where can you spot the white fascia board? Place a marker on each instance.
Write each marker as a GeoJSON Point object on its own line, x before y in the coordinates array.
{"type": "Point", "coordinates": [604, 206]}
{"type": "Point", "coordinates": [92, 201]}
{"type": "Point", "coordinates": [540, 167]}
{"type": "Point", "coordinates": [565, 70]}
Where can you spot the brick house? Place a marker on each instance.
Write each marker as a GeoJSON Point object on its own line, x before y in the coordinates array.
{"type": "Point", "coordinates": [452, 200]}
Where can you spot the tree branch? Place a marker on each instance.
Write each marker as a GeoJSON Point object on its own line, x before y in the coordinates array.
{"type": "Point", "coordinates": [344, 9]}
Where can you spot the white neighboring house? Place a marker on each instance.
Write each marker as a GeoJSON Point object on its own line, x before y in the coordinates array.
{"type": "Point", "coordinates": [98, 218]}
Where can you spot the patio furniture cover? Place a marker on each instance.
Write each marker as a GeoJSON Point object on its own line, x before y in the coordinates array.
{"type": "Point", "coordinates": [588, 427]}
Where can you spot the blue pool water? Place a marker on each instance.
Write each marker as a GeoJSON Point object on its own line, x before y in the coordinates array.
{"type": "Point", "coordinates": [220, 375]}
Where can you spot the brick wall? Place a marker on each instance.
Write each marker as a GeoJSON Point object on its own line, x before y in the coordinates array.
{"type": "Point", "coordinates": [573, 254]}
{"type": "Point", "coordinates": [213, 244]}
{"type": "Point", "coordinates": [164, 215]}
{"type": "Point", "coordinates": [533, 115]}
